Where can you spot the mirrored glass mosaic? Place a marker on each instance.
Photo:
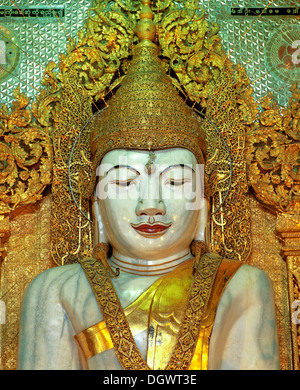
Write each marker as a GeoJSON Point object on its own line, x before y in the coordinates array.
{"type": "Point", "coordinates": [264, 36]}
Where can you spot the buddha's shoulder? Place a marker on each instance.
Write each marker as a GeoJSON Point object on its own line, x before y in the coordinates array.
{"type": "Point", "coordinates": [57, 278]}
{"type": "Point", "coordinates": [252, 274]}
{"type": "Point", "coordinates": [243, 273]}
{"type": "Point", "coordinates": [249, 279]}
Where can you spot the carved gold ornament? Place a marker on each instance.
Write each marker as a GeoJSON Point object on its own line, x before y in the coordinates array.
{"type": "Point", "coordinates": [25, 155]}
{"type": "Point", "coordinates": [272, 154]}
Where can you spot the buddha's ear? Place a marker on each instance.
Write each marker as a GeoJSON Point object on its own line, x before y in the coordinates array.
{"type": "Point", "coordinates": [202, 228]}
{"type": "Point", "coordinates": [99, 232]}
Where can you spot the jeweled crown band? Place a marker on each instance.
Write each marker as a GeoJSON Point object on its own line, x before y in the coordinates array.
{"type": "Point", "coordinates": [147, 140]}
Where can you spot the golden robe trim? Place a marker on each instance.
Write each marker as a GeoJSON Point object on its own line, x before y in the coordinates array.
{"type": "Point", "coordinates": [153, 307]}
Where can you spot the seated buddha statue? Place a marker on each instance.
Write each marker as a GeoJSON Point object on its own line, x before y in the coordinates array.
{"type": "Point", "coordinates": [150, 297]}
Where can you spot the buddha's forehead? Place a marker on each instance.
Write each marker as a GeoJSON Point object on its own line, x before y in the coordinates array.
{"type": "Point", "coordinates": [134, 156]}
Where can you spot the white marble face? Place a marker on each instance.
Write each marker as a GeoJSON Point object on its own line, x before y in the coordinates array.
{"type": "Point", "coordinates": [150, 202]}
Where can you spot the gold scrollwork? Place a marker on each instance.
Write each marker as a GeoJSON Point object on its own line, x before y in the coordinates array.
{"type": "Point", "coordinates": [272, 155]}
{"type": "Point", "coordinates": [25, 156]}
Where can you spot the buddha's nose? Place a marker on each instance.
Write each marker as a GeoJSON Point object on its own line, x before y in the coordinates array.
{"type": "Point", "coordinates": [151, 205]}
{"type": "Point", "coordinates": [150, 201]}
{"type": "Point", "coordinates": [146, 209]}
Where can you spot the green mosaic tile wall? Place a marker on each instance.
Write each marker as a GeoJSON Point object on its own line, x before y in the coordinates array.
{"type": "Point", "coordinates": [266, 41]}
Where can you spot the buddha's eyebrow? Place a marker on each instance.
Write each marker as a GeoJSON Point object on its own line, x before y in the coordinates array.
{"type": "Point", "coordinates": [123, 166]}
{"type": "Point", "coordinates": [176, 166]}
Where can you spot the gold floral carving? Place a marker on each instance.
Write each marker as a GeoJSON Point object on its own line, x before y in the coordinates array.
{"type": "Point", "coordinates": [25, 155]}
{"type": "Point", "coordinates": [288, 231]}
{"type": "Point", "coordinates": [272, 155]}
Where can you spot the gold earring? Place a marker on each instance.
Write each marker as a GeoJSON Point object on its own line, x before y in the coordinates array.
{"type": "Point", "coordinates": [100, 253]}
{"type": "Point", "coordinates": [198, 248]}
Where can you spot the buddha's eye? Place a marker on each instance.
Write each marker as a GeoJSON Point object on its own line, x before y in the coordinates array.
{"type": "Point", "coordinates": [124, 183]}
{"type": "Point", "coordinates": [176, 182]}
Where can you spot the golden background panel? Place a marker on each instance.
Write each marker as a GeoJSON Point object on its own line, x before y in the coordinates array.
{"type": "Point", "coordinates": [266, 256]}
{"type": "Point", "coordinates": [28, 255]}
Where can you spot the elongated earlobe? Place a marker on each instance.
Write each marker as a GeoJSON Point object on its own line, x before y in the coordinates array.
{"type": "Point", "coordinates": [98, 227]}
{"type": "Point", "coordinates": [200, 244]}
{"type": "Point", "coordinates": [100, 244]}
{"type": "Point", "coordinates": [201, 232]}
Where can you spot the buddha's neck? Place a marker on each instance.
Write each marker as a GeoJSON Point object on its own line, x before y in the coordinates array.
{"type": "Point", "coordinates": [148, 267]}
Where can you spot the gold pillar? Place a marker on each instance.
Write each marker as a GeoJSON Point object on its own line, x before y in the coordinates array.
{"type": "Point", "coordinates": [27, 235]}
{"type": "Point", "coordinates": [4, 235]}
{"type": "Point", "coordinates": [288, 231]}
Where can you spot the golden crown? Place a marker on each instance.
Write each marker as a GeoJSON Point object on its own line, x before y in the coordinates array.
{"type": "Point", "coordinates": [146, 112]}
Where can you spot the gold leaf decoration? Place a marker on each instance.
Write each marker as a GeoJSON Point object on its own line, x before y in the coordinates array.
{"type": "Point", "coordinates": [25, 155]}
{"type": "Point", "coordinates": [272, 154]}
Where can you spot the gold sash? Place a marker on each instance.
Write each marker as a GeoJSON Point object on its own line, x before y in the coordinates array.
{"type": "Point", "coordinates": [162, 311]}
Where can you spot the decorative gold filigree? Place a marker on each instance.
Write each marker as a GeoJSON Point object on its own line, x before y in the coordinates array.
{"type": "Point", "coordinates": [296, 335]}
{"type": "Point", "coordinates": [272, 155]}
{"type": "Point", "coordinates": [288, 231]}
{"type": "Point", "coordinates": [25, 155]}
{"type": "Point", "coordinates": [230, 225]}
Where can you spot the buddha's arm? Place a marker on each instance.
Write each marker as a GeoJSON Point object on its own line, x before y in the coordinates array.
{"type": "Point", "coordinates": [46, 334]}
{"type": "Point", "coordinates": [245, 334]}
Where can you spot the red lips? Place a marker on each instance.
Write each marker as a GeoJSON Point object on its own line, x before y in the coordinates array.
{"type": "Point", "coordinates": [145, 228]}
{"type": "Point", "coordinates": [151, 230]}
